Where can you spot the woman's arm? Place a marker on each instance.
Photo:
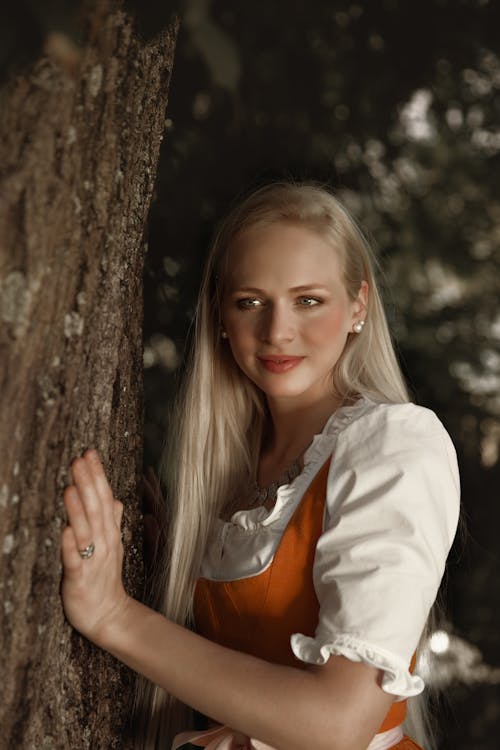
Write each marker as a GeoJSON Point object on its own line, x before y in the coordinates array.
{"type": "Point", "coordinates": [338, 706]}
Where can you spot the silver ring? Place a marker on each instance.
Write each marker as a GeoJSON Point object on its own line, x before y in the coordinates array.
{"type": "Point", "coordinates": [87, 552]}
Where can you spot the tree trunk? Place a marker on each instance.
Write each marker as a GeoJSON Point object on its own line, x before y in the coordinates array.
{"type": "Point", "coordinates": [80, 148]}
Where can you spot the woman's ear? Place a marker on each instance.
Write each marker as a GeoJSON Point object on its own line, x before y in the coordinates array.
{"type": "Point", "coordinates": [361, 301]}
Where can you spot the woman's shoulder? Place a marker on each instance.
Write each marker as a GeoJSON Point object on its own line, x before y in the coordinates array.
{"type": "Point", "coordinates": [367, 427]}
{"type": "Point", "coordinates": [371, 428]}
{"type": "Point", "coordinates": [375, 417]}
{"type": "Point", "coordinates": [396, 458]}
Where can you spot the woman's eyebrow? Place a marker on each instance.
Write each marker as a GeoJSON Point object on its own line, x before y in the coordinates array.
{"type": "Point", "coordinates": [302, 288]}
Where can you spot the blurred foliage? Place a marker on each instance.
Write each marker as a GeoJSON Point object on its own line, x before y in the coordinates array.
{"type": "Point", "coordinates": [396, 105]}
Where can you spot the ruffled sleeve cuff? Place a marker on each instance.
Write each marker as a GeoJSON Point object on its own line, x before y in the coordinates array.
{"type": "Point", "coordinates": [397, 678]}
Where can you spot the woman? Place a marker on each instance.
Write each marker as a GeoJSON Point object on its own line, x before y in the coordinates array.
{"type": "Point", "coordinates": [312, 506]}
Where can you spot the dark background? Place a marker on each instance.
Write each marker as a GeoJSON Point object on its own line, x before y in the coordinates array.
{"type": "Point", "coordinates": [396, 105]}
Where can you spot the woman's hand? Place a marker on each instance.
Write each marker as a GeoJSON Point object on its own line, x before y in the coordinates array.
{"type": "Point", "coordinates": [92, 550]}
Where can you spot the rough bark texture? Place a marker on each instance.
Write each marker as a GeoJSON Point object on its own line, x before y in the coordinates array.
{"type": "Point", "coordinates": [80, 148]}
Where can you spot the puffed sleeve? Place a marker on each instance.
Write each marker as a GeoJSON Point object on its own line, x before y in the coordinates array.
{"type": "Point", "coordinates": [391, 515]}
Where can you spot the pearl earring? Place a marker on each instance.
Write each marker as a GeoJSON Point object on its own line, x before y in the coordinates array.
{"type": "Point", "coordinates": [358, 327]}
{"type": "Point", "coordinates": [223, 335]}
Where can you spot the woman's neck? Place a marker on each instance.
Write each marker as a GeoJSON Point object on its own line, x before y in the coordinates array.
{"type": "Point", "coordinates": [293, 427]}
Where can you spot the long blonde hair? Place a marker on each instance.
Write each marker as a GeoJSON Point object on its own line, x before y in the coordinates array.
{"type": "Point", "coordinates": [219, 418]}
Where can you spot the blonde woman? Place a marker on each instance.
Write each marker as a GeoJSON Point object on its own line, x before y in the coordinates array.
{"type": "Point", "coordinates": [312, 507]}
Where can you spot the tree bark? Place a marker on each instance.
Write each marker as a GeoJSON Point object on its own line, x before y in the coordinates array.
{"type": "Point", "coordinates": [81, 138]}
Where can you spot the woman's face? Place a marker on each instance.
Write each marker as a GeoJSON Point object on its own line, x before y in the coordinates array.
{"type": "Point", "coordinates": [286, 311]}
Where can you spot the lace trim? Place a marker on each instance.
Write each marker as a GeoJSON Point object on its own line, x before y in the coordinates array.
{"type": "Point", "coordinates": [397, 679]}
{"type": "Point", "coordinates": [250, 520]}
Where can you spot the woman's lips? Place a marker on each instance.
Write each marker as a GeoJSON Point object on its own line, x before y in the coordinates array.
{"type": "Point", "coordinates": [280, 364]}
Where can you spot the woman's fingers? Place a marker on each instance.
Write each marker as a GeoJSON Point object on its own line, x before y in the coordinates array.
{"type": "Point", "coordinates": [101, 509]}
{"type": "Point", "coordinates": [98, 475]}
{"type": "Point", "coordinates": [103, 490]}
{"type": "Point", "coordinates": [77, 518]}
{"type": "Point", "coordinates": [89, 497]}
{"type": "Point", "coordinates": [69, 548]}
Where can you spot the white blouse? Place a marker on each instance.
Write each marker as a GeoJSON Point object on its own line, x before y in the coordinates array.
{"type": "Point", "coordinates": [391, 514]}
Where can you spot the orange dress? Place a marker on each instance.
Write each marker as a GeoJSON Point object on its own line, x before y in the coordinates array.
{"type": "Point", "coordinates": [258, 614]}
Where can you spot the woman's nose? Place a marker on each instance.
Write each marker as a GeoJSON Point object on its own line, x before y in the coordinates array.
{"type": "Point", "coordinates": [276, 325]}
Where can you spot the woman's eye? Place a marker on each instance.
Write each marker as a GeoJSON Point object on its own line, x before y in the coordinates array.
{"type": "Point", "coordinates": [251, 303]}
{"type": "Point", "coordinates": [309, 301]}
{"type": "Point", "coordinates": [248, 303]}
